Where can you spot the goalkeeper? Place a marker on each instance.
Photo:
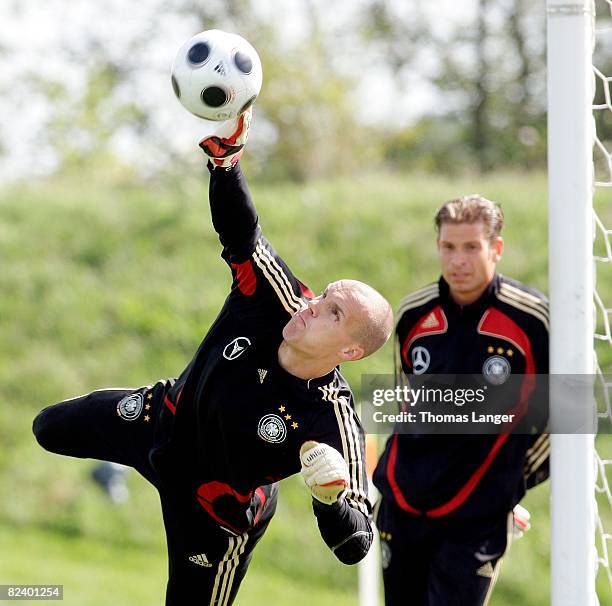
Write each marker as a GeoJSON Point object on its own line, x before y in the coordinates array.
{"type": "Point", "coordinates": [447, 500]}
{"type": "Point", "coordinates": [261, 400]}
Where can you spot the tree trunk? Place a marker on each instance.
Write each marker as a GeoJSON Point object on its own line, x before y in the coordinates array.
{"type": "Point", "coordinates": [480, 127]}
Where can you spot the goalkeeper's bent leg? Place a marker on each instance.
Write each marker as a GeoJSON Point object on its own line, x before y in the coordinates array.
{"type": "Point", "coordinates": [117, 425]}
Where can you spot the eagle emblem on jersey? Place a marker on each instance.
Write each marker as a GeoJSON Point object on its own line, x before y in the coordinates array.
{"type": "Point", "coordinates": [236, 348]}
{"type": "Point", "coordinates": [272, 428]}
{"type": "Point", "coordinates": [496, 370]}
{"type": "Point", "coordinates": [130, 407]}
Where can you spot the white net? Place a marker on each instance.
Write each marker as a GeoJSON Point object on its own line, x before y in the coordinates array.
{"type": "Point", "coordinates": [602, 114]}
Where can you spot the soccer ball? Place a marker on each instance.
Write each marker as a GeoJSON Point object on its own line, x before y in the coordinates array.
{"type": "Point", "coordinates": [216, 75]}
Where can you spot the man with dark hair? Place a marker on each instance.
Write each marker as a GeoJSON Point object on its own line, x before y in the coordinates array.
{"type": "Point", "coordinates": [262, 394]}
{"type": "Point", "coordinates": [447, 500]}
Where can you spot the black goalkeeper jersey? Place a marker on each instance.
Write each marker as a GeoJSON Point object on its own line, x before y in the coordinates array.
{"type": "Point", "coordinates": [238, 418]}
{"type": "Point", "coordinates": [465, 476]}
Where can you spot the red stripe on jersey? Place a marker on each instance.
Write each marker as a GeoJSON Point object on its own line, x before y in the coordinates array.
{"type": "Point", "coordinates": [434, 322]}
{"type": "Point", "coordinates": [170, 405]}
{"type": "Point", "coordinates": [209, 492]}
{"type": "Point", "coordinates": [262, 499]}
{"type": "Point", "coordinates": [469, 486]}
{"type": "Point", "coordinates": [497, 324]}
{"type": "Point", "coordinates": [397, 493]}
{"type": "Point", "coordinates": [459, 498]}
{"type": "Point", "coordinates": [245, 275]}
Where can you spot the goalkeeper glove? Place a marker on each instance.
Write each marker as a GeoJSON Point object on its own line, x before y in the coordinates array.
{"type": "Point", "coordinates": [226, 151]}
{"type": "Point", "coordinates": [521, 522]}
{"type": "Point", "coordinates": [325, 471]}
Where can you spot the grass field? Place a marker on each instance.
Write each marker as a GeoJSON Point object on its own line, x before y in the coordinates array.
{"type": "Point", "coordinates": [105, 282]}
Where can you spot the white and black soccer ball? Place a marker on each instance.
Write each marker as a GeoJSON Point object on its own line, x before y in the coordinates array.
{"type": "Point", "coordinates": [216, 75]}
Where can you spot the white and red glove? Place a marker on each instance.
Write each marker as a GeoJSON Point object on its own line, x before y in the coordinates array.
{"type": "Point", "coordinates": [325, 471]}
{"type": "Point", "coordinates": [224, 152]}
{"type": "Point", "coordinates": [521, 521]}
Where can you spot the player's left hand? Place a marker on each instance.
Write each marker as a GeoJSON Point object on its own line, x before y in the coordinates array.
{"type": "Point", "coordinates": [226, 151]}
{"type": "Point", "coordinates": [324, 470]}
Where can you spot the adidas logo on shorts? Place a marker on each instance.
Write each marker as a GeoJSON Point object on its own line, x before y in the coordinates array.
{"type": "Point", "coordinates": [200, 559]}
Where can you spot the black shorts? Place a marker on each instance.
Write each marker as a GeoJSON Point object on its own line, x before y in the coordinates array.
{"type": "Point", "coordinates": [206, 562]}
{"type": "Point", "coordinates": [437, 562]}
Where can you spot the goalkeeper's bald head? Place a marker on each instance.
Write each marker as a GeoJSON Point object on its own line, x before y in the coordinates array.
{"type": "Point", "coordinates": [376, 317]}
{"type": "Point", "coordinates": [348, 321]}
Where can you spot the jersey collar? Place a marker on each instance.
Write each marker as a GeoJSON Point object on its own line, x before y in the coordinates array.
{"type": "Point", "coordinates": [478, 307]}
{"type": "Point", "coordinates": [306, 384]}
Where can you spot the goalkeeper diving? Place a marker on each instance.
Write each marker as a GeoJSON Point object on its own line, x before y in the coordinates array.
{"type": "Point", "coordinates": [262, 399]}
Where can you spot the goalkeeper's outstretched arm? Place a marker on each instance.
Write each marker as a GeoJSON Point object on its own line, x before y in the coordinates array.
{"type": "Point", "coordinates": [233, 213]}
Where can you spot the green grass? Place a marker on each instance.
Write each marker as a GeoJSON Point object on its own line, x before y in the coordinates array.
{"type": "Point", "coordinates": [105, 282]}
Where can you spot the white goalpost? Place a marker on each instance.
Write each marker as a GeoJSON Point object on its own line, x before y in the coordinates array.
{"type": "Point", "coordinates": [369, 567]}
{"type": "Point", "coordinates": [579, 539]}
{"type": "Point", "coordinates": [570, 195]}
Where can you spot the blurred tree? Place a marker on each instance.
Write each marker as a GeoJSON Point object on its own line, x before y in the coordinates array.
{"type": "Point", "coordinates": [82, 129]}
{"type": "Point", "coordinates": [400, 37]}
{"type": "Point", "coordinates": [488, 69]}
{"type": "Point", "coordinates": [479, 108]}
{"type": "Point", "coordinates": [481, 73]}
{"type": "Point", "coordinates": [305, 111]}
{"type": "Point", "coordinates": [522, 91]}
{"type": "Point", "coordinates": [86, 115]}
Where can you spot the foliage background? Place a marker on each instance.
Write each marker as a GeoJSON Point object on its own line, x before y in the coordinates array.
{"type": "Point", "coordinates": [440, 87]}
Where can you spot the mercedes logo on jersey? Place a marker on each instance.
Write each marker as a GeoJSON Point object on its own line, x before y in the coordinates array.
{"type": "Point", "coordinates": [236, 348]}
{"type": "Point", "coordinates": [420, 360]}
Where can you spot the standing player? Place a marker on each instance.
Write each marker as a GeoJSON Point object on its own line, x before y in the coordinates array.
{"type": "Point", "coordinates": [263, 385]}
{"type": "Point", "coordinates": [446, 499]}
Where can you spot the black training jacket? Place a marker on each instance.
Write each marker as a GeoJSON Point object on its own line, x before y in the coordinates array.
{"type": "Point", "coordinates": [239, 419]}
{"type": "Point", "coordinates": [467, 476]}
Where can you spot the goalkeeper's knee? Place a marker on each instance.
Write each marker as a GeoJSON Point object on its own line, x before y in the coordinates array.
{"type": "Point", "coordinates": [47, 430]}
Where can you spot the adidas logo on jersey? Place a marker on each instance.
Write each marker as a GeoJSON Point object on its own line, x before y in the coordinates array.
{"type": "Point", "coordinates": [200, 559]}
{"type": "Point", "coordinates": [486, 570]}
{"type": "Point", "coordinates": [430, 321]}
